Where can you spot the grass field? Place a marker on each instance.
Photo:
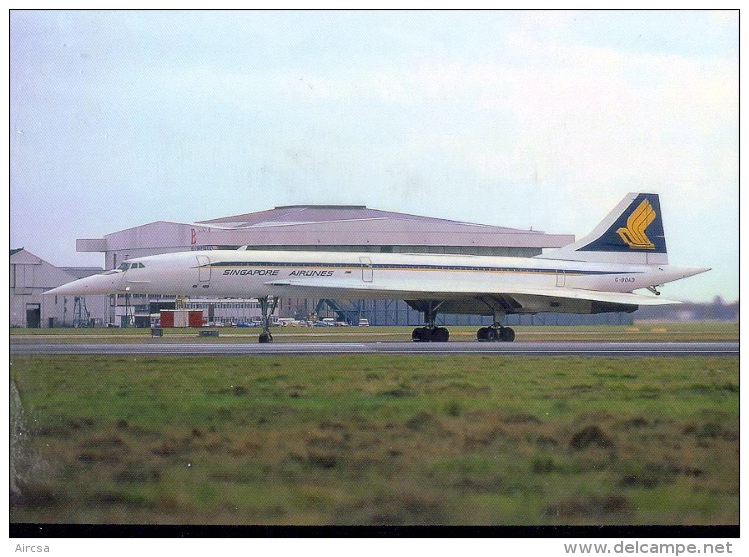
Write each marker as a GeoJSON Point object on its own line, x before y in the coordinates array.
{"type": "Point", "coordinates": [360, 439]}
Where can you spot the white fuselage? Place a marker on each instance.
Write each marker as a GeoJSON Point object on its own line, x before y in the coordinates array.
{"type": "Point", "coordinates": [250, 273]}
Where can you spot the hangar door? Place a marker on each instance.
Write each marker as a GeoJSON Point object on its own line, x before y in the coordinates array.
{"type": "Point", "coordinates": [33, 316]}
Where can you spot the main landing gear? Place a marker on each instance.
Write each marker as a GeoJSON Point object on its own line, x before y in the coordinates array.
{"type": "Point", "coordinates": [265, 336]}
{"type": "Point", "coordinates": [430, 333]}
{"type": "Point", "coordinates": [495, 333]}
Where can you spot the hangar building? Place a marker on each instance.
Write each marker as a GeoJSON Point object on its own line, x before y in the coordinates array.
{"type": "Point", "coordinates": [323, 227]}
{"type": "Point", "coordinates": [320, 227]}
{"type": "Point", "coordinates": [31, 276]}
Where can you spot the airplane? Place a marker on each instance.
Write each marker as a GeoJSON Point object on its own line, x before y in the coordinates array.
{"type": "Point", "coordinates": [596, 274]}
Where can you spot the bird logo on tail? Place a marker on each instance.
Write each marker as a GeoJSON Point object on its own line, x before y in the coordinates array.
{"type": "Point", "coordinates": [634, 233]}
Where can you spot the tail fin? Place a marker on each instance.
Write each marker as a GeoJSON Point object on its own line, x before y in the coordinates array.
{"type": "Point", "coordinates": [631, 233]}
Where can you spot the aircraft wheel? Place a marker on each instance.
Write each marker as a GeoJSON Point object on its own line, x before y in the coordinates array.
{"type": "Point", "coordinates": [507, 334]}
{"type": "Point", "coordinates": [418, 335]}
{"type": "Point", "coordinates": [265, 337]}
{"type": "Point", "coordinates": [492, 334]}
{"type": "Point", "coordinates": [481, 334]}
{"type": "Point", "coordinates": [440, 334]}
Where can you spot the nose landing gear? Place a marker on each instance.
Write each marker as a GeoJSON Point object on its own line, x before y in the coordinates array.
{"type": "Point", "coordinates": [265, 336]}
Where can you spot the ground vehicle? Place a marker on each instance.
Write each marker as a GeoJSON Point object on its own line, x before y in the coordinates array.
{"type": "Point", "coordinates": [364, 322]}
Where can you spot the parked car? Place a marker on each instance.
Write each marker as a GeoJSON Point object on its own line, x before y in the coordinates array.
{"type": "Point", "coordinates": [364, 322]}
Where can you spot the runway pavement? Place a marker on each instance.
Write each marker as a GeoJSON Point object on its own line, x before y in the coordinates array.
{"type": "Point", "coordinates": [618, 349]}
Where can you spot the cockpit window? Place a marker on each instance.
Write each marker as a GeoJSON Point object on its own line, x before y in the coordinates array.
{"type": "Point", "coordinates": [126, 266]}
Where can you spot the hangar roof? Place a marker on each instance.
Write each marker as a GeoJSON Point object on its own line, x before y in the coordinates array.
{"type": "Point", "coordinates": [321, 214]}
{"type": "Point", "coordinates": [357, 225]}
{"type": "Point", "coordinates": [319, 226]}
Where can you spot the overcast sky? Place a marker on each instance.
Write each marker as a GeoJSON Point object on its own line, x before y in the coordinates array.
{"type": "Point", "coordinates": [522, 119]}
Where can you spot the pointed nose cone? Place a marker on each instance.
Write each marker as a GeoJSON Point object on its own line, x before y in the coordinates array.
{"type": "Point", "coordinates": [69, 289]}
{"type": "Point", "coordinates": [95, 284]}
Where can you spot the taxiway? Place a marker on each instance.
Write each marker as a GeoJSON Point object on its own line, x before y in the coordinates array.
{"type": "Point", "coordinates": [611, 349]}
